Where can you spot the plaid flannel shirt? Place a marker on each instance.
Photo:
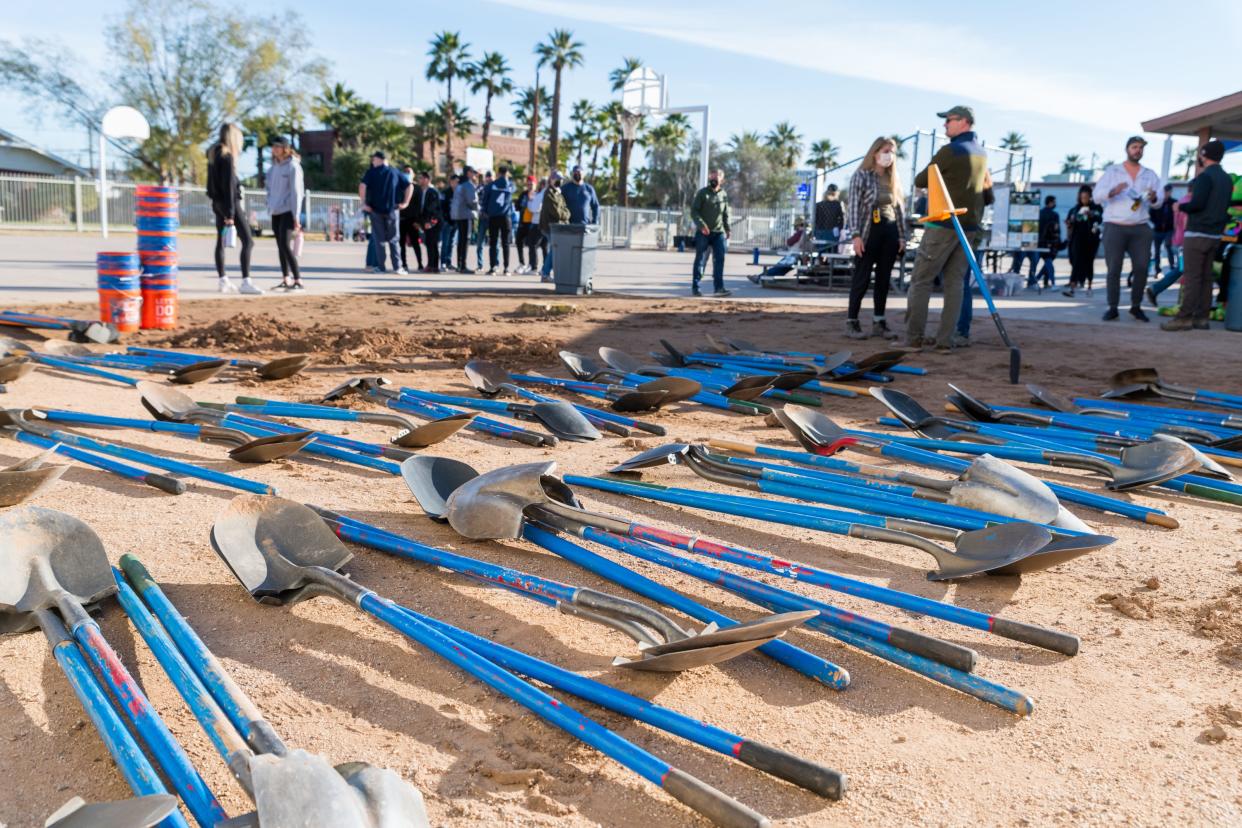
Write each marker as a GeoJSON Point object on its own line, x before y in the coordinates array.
{"type": "Point", "coordinates": [861, 204]}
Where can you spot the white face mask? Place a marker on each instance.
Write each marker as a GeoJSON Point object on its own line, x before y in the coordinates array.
{"type": "Point", "coordinates": [884, 159]}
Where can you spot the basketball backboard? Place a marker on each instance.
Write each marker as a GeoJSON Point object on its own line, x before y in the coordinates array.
{"type": "Point", "coordinates": [643, 93]}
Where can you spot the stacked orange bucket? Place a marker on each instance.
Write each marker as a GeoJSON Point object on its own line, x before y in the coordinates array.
{"type": "Point", "coordinates": [157, 217]}
{"type": "Point", "coordinates": [119, 297]}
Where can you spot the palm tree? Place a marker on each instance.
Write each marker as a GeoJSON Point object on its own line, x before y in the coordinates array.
{"type": "Point", "coordinates": [1187, 157]}
{"type": "Point", "coordinates": [259, 131]}
{"type": "Point", "coordinates": [582, 114]}
{"type": "Point", "coordinates": [823, 154]}
{"type": "Point", "coordinates": [617, 77]}
{"type": "Point", "coordinates": [490, 75]}
{"type": "Point", "coordinates": [428, 127]}
{"type": "Point", "coordinates": [338, 107]}
{"type": "Point", "coordinates": [450, 58]}
{"type": "Point", "coordinates": [786, 143]}
{"type": "Point", "coordinates": [900, 152]}
{"type": "Point", "coordinates": [560, 52]}
{"type": "Point", "coordinates": [1071, 164]}
{"type": "Point", "coordinates": [456, 123]}
{"type": "Point", "coordinates": [1015, 142]}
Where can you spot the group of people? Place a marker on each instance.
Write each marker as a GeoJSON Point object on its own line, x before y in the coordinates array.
{"type": "Point", "coordinates": [286, 194]}
{"type": "Point", "coordinates": [409, 212]}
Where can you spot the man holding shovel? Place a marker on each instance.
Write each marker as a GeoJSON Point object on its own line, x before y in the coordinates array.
{"type": "Point", "coordinates": [964, 165]}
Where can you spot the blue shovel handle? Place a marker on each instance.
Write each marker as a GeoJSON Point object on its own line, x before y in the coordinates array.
{"type": "Point", "coordinates": [75, 368]}
{"type": "Point", "coordinates": [678, 784]}
{"type": "Point", "coordinates": [132, 762]}
{"type": "Point", "coordinates": [323, 445]}
{"type": "Point", "coordinates": [240, 710]}
{"type": "Point", "coordinates": [483, 425]}
{"type": "Point", "coordinates": [808, 664]}
{"type": "Point", "coordinates": [886, 647]}
{"type": "Point", "coordinates": [160, 481]}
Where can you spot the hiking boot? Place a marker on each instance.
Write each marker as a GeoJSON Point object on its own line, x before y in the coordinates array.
{"type": "Point", "coordinates": [1202, 325]}
{"type": "Point", "coordinates": [1151, 297]}
{"type": "Point", "coordinates": [722, 292]}
{"type": "Point", "coordinates": [1110, 314]}
{"type": "Point", "coordinates": [694, 291]}
{"type": "Point", "coordinates": [1179, 323]}
{"type": "Point", "coordinates": [853, 330]}
{"type": "Point", "coordinates": [1138, 314]}
{"type": "Point", "coordinates": [880, 328]}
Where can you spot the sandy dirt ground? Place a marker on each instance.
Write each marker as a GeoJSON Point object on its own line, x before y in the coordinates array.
{"type": "Point", "coordinates": [1127, 732]}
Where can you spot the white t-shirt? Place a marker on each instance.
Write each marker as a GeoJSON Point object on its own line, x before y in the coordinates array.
{"type": "Point", "coordinates": [533, 204]}
{"type": "Point", "coordinates": [1120, 208]}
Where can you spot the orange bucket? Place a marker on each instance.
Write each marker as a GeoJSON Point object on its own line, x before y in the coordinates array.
{"type": "Point", "coordinates": [121, 308]}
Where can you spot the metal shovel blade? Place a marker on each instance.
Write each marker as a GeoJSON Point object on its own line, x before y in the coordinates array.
{"type": "Point", "coordinates": [24, 480]}
{"type": "Point", "coordinates": [1057, 551]}
{"type": "Point", "coordinates": [1140, 389]}
{"type": "Point", "coordinates": [268, 541]}
{"type": "Point", "coordinates": [488, 378]}
{"type": "Point", "coordinates": [165, 403]}
{"type": "Point", "coordinates": [972, 407]}
{"type": "Point", "coordinates": [790, 380]}
{"type": "Point", "coordinates": [140, 812]}
{"type": "Point", "coordinates": [491, 505]}
{"type": "Point", "coordinates": [992, 485]}
{"type": "Point", "coordinates": [1134, 376]}
{"type": "Point", "coordinates": [873, 363]}
{"type": "Point", "coordinates": [667, 454]}
{"type": "Point", "coordinates": [267, 449]}
{"type": "Point", "coordinates": [9, 345]}
{"type": "Point", "coordinates": [715, 646]}
{"type": "Point", "coordinates": [1207, 466]}
{"type": "Point", "coordinates": [61, 347]}
{"type": "Point", "coordinates": [198, 371]}
{"type": "Point", "coordinates": [304, 790]}
{"type": "Point", "coordinates": [432, 479]}
{"type": "Point", "coordinates": [913, 415]}
{"type": "Point", "coordinates": [635, 401]}
{"type": "Point", "coordinates": [812, 429]}
{"type": "Point", "coordinates": [675, 389]}
{"type": "Point", "coordinates": [581, 366]}
{"type": "Point", "coordinates": [45, 554]}
{"type": "Point", "coordinates": [283, 367]}
{"type": "Point", "coordinates": [1149, 463]}
{"type": "Point", "coordinates": [621, 361]}
{"type": "Point", "coordinates": [389, 800]}
{"type": "Point", "coordinates": [436, 431]}
{"type": "Point", "coordinates": [1051, 399]}
{"type": "Point", "coordinates": [565, 421]}
{"type": "Point", "coordinates": [15, 370]}
{"type": "Point", "coordinates": [749, 388]}
{"type": "Point", "coordinates": [983, 550]}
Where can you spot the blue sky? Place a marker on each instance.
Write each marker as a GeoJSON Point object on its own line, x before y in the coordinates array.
{"type": "Point", "coordinates": [1073, 77]}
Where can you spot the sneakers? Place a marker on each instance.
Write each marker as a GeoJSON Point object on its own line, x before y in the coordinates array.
{"type": "Point", "coordinates": [1068, 292]}
{"type": "Point", "coordinates": [1138, 314]}
{"type": "Point", "coordinates": [507, 272]}
{"type": "Point", "coordinates": [250, 288]}
{"type": "Point", "coordinates": [1151, 297]}
{"type": "Point", "coordinates": [298, 286]}
{"type": "Point", "coordinates": [1179, 323]}
{"type": "Point", "coordinates": [880, 328]}
{"type": "Point", "coordinates": [225, 286]}
{"type": "Point", "coordinates": [1110, 314]}
{"type": "Point", "coordinates": [491, 271]}
{"type": "Point", "coordinates": [284, 286]}
{"type": "Point", "coordinates": [1202, 325]}
{"type": "Point", "coordinates": [465, 271]}
{"type": "Point", "coordinates": [722, 292]}
{"type": "Point", "coordinates": [376, 270]}
{"type": "Point", "coordinates": [853, 330]}
{"type": "Point", "coordinates": [547, 279]}
{"type": "Point", "coordinates": [694, 291]}
{"type": "Point", "coordinates": [402, 271]}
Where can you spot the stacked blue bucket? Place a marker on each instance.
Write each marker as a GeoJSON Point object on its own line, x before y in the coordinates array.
{"type": "Point", "coordinates": [157, 219]}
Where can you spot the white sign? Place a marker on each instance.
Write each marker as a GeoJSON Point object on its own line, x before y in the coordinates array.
{"type": "Point", "coordinates": [481, 159]}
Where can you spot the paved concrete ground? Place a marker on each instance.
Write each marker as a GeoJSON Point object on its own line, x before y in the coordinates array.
{"type": "Point", "coordinates": [41, 267]}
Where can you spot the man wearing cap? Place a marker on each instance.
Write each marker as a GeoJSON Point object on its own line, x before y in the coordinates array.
{"type": "Point", "coordinates": [384, 192]}
{"type": "Point", "coordinates": [1127, 191]}
{"type": "Point", "coordinates": [829, 216]}
{"type": "Point", "coordinates": [710, 213]}
{"type": "Point", "coordinates": [963, 165]}
{"type": "Point", "coordinates": [464, 211]}
{"type": "Point", "coordinates": [1206, 215]}
{"type": "Point", "coordinates": [497, 200]}
{"type": "Point", "coordinates": [581, 199]}
{"type": "Point", "coordinates": [552, 210]}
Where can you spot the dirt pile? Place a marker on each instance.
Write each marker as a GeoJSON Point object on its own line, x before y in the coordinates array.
{"type": "Point", "coordinates": [1221, 620]}
{"type": "Point", "coordinates": [341, 345]}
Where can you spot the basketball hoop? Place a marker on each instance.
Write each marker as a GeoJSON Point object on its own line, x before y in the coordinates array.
{"type": "Point", "coordinates": [629, 125]}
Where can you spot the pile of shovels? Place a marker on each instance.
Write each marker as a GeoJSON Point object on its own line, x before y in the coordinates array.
{"type": "Point", "coordinates": [53, 572]}
{"type": "Point", "coordinates": [78, 330]}
{"type": "Point", "coordinates": [527, 501]}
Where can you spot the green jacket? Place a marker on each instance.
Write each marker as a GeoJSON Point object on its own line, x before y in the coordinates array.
{"type": "Point", "coordinates": [554, 209]}
{"type": "Point", "coordinates": [710, 209]}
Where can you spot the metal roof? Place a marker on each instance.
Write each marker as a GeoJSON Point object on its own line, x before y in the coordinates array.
{"type": "Point", "coordinates": [1223, 116]}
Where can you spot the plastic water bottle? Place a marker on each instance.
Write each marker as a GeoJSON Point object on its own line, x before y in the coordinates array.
{"type": "Point", "coordinates": [754, 256]}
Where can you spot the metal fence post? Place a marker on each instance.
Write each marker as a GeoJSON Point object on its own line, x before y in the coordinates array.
{"type": "Point", "coordinates": [77, 202]}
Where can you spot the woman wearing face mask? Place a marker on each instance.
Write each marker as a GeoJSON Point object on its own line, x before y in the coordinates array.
{"type": "Point", "coordinates": [876, 223]}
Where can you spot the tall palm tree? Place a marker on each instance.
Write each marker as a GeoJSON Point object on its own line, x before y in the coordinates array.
{"type": "Point", "coordinates": [901, 145]}
{"type": "Point", "coordinates": [339, 108]}
{"type": "Point", "coordinates": [455, 122]}
{"type": "Point", "coordinates": [786, 143]}
{"type": "Point", "coordinates": [581, 116]}
{"type": "Point", "coordinates": [491, 76]}
{"type": "Point", "coordinates": [1015, 142]}
{"type": "Point", "coordinates": [1071, 164]}
{"type": "Point", "coordinates": [450, 58]}
{"type": "Point", "coordinates": [616, 78]}
{"type": "Point", "coordinates": [1187, 157]}
{"type": "Point", "coordinates": [561, 52]}
{"type": "Point", "coordinates": [607, 129]}
{"type": "Point", "coordinates": [823, 154]}
{"type": "Point", "coordinates": [428, 127]}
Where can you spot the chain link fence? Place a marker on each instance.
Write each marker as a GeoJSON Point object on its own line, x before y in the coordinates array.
{"type": "Point", "coordinates": [45, 203]}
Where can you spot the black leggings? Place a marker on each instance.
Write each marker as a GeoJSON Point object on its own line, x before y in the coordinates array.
{"type": "Point", "coordinates": [243, 237]}
{"type": "Point", "coordinates": [879, 254]}
{"type": "Point", "coordinates": [282, 229]}
{"type": "Point", "coordinates": [533, 241]}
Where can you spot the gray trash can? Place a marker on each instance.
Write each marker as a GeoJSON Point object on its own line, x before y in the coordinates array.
{"type": "Point", "coordinates": [573, 256]}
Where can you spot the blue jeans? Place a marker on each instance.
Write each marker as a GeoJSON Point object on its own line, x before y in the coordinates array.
{"type": "Point", "coordinates": [718, 245]}
{"type": "Point", "coordinates": [384, 232]}
{"type": "Point", "coordinates": [1159, 239]}
{"type": "Point", "coordinates": [1170, 277]}
{"type": "Point", "coordinates": [1048, 272]}
{"type": "Point", "coordinates": [1018, 256]}
{"type": "Point", "coordinates": [967, 312]}
{"type": "Point", "coordinates": [447, 231]}
{"type": "Point", "coordinates": [480, 238]}
{"type": "Point", "coordinates": [546, 270]}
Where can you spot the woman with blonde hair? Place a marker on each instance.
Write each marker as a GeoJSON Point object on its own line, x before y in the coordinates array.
{"type": "Point", "coordinates": [875, 221]}
{"type": "Point", "coordinates": [224, 190]}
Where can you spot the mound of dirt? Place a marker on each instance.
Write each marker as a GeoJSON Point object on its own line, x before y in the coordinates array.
{"type": "Point", "coordinates": [1221, 620]}
{"type": "Point", "coordinates": [336, 345]}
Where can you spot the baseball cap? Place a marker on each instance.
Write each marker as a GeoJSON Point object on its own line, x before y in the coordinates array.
{"type": "Point", "coordinates": [959, 111]}
{"type": "Point", "coordinates": [379, 154]}
{"type": "Point", "coordinates": [555, 175]}
{"type": "Point", "coordinates": [832, 188]}
{"type": "Point", "coordinates": [1213, 151]}
{"type": "Point", "coordinates": [279, 141]}
{"type": "Point", "coordinates": [1136, 139]}
{"type": "Point", "coordinates": [576, 168]}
